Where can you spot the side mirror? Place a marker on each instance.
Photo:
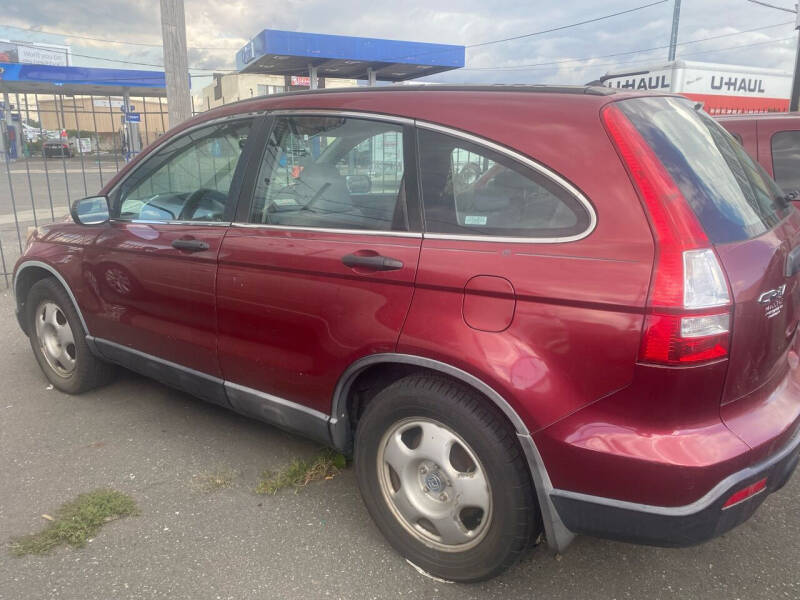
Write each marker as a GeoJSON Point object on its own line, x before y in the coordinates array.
{"type": "Point", "coordinates": [90, 211]}
{"type": "Point", "coordinates": [358, 184]}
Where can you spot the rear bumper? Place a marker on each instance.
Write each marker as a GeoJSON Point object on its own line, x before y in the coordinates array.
{"type": "Point", "coordinates": [679, 525]}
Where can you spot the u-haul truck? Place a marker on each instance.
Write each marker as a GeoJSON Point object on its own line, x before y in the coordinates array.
{"type": "Point", "coordinates": [721, 88]}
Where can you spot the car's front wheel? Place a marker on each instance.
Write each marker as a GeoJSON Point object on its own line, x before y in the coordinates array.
{"type": "Point", "coordinates": [444, 478]}
{"type": "Point", "coordinates": [59, 341]}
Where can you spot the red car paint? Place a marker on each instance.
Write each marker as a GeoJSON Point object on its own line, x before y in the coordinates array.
{"type": "Point", "coordinates": [755, 132]}
{"type": "Point", "coordinates": [554, 328]}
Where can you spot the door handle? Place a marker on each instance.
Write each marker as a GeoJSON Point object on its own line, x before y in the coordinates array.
{"type": "Point", "coordinates": [190, 245]}
{"type": "Point", "coordinates": [374, 262]}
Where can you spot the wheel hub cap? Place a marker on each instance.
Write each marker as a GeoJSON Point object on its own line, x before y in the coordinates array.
{"type": "Point", "coordinates": [55, 338]}
{"type": "Point", "coordinates": [434, 484]}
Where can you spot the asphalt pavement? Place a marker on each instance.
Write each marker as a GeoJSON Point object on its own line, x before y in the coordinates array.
{"type": "Point", "coordinates": [152, 442]}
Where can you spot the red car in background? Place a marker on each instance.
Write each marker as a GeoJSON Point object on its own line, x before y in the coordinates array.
{"type": "Point", "coordinates": [772, 139]}
{"type": "Point", "coordinates": [522, 310]}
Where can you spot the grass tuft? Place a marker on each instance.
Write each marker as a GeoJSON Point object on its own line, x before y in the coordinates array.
{"type": "Point", "coordinates": [76, 521]}
{"type": "Point", "coordinates": [299, 473]}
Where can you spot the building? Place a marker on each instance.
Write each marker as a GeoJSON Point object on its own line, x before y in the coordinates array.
{"type": "Point", "coordinates": [101, 118]}
{"type": "Point", "coordinates": [231, 87]}
{"type": "Point", "coordinates": [723, 89]}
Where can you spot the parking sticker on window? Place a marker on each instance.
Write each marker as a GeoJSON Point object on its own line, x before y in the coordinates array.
{"type": "Point", "coordinates": [474, 220]}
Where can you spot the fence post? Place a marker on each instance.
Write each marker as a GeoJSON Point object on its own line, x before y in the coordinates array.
{"type": "Point", "coordinates": [27, 165]}
{"type": "Point", "coordinates": [43, 138]}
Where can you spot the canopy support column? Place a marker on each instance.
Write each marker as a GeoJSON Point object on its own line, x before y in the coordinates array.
{"type": "Point", "coordinates": [312, 76]}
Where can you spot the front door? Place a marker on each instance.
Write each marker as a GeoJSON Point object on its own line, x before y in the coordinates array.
{"type": "Point", "coordinates": [320, 271]}
{"type": "Point", "coordinates": [154, 267]}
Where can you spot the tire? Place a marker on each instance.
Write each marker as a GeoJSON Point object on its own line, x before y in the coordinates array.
{"type": "Point", "coordinates": [407, 425]}
{"type": "Point", "coordinates": [58, 340]}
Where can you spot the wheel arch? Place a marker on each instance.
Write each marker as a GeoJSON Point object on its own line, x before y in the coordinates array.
{"type": "Point", "coordinates": [340, 407]}
{"type": "Point", "coordinates": [27, 274]}
{"type": "Point", "coordinates": [341, 431]}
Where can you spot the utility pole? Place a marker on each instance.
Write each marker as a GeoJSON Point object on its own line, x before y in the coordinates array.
{"type": "Point", "coordinates": [795, 98]}
{"type": "Point", "coordinates": [176, 63]}
{"type": "Point", "coordinates": [673, 37]}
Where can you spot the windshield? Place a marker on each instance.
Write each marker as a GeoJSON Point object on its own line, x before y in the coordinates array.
{"type": "Point", "coordinates": [732, 196]}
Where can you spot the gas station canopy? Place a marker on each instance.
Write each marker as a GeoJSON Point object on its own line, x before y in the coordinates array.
{"type": "Point", "coordinates": [47, 79]}
{"type": "Point", "coordinates": [292, 53]}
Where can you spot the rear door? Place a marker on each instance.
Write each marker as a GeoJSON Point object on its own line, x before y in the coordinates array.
{"type": "Point", "coordinates": [756, 234]}
{"type": "Point", "coordinates": [319, 269]}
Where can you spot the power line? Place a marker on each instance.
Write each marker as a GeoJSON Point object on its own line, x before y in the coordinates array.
{"type": "Point", "coordinates": [97, 39]}
{"type": "Point", "coordinates": [569, 60]}
{"type": "Point", "coordinates": [697, 53]}
{"type": "Point", "coordinates": [562, 27]}
{"type": "Point", "coordinates": [476, 45]}
{"type": "Point", "coordinates": [768, 5]}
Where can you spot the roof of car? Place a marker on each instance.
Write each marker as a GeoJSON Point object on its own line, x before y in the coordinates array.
{"type": "Point", "coordinates": [434, 103]}
{"type": "Point", "coordinates": [367, 95]}
{"type": "Point", "coordinates": [758, 116]}
{"type": "Point", "coordinates": [593, 90]}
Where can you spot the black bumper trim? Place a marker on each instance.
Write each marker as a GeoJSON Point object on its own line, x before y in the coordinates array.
{"type": "Point", "coordinates": [682, 525]}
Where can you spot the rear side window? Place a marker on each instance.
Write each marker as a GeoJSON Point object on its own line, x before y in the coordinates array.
{"type": "Point", "coordinates": [786, 159]}
{"type": "Point", "coordinates": [732, 196]}
{"type": "Point", "coordinates": [471, 189]}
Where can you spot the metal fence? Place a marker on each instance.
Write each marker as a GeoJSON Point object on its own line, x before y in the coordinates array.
{"type": "Point", "coordinates": [57, 148]}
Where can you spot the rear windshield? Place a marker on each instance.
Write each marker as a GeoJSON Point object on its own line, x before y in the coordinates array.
{"type": "Point", "coordinates": [732, 196]}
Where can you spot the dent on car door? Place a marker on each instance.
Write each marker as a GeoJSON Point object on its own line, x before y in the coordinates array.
{"type": "Point", "coordinates": [320, 272]}
{"type": "Point", "coordinates": [153, 268]}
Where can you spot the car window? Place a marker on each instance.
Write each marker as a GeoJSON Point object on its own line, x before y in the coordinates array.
{"type": "Point", "coordinates": [732, 196]}
{"type": "Point", "coordinates": [332, 172]}
{"type": "Point", "coordinates": [471, 189]}
{"type": "Point", "coordinates": [189, 179]}
{"type": "Point", "coordinates": [786, 160]}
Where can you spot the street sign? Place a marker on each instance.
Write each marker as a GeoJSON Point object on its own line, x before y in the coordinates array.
{"type": "Point", "coordinates": [133, 117]}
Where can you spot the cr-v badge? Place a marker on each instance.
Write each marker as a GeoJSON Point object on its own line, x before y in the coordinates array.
{"type": "Point", "coordinates": [772, 301]}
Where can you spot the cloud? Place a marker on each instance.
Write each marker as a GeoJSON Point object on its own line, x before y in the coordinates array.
{"type": "Point", "coordinates": [216, 29]}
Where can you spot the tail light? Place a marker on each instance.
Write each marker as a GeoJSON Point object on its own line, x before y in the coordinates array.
{"type": "Point", "coordinates": [689, 308]}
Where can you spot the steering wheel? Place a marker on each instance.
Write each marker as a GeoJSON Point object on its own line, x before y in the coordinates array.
{"type": "Point", "coordinates": [193, 202]}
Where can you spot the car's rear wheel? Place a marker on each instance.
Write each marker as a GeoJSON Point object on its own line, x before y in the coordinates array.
{"type": "Point", "coordinates": [58, 340]}
{"type": "Point", "coordinates": [444, 478]}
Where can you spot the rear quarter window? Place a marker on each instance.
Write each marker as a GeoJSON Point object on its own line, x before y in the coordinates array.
{"type": "Point", "coordinates": [470, 189]}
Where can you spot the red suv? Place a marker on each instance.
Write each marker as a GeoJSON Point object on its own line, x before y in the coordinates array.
{"type": "Point", "coordinates": [772, 139]}
{"type": "Point", "coordinates": [523, 310]}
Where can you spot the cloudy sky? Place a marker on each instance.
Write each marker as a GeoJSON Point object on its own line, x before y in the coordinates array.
{"type": "Point", "coordinates": [745, 33]}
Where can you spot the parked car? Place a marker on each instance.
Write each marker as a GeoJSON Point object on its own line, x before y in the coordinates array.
{"type": "Point", "coordinates": [773, 140]}
{"type": "Point", "coordinates": [56, 148]}
{"type": "Point", "coordinates": [574, 313]}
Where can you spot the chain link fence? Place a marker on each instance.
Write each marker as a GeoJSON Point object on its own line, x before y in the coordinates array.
{"type": "Point", "coordinates": [55, 149]}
